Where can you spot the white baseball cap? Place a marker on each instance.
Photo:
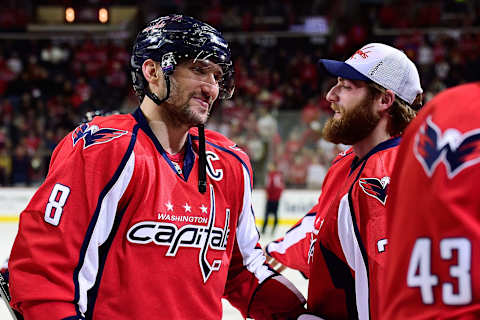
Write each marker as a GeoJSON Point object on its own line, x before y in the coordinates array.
{"type": "Point", "coordinates": [382, 64]}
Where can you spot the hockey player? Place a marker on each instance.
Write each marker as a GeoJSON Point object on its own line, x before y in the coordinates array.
{"type": "Point", "coordinates": [433, 213]}
{"type": "Point", "coordinates": [340, 244]}
{"type": "Point", "coordinates": [274, 186]}
{"type": "Point", "coordinates": [128, 225]}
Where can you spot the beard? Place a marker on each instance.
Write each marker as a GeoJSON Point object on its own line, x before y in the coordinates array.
{"type": "Point", "coordinates": [354, 125]}
{"type": "Point", "coordinates": [179, 110]}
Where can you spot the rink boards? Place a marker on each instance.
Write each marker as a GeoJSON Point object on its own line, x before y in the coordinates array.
{"type": "Point", "coordinates": [294, 204]}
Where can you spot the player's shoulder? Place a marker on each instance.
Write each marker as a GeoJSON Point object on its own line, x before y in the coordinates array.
{"type": "Point", "coordinates": [220, 142]}
{"type": "Point", "coordinates": [383, 156]}
{"type": "Point", "coordinates": [463, 94]}
{"type": "Point", "coordinates": [343, 156]}
{"type": "Point", "coordinates": [456, 107]}
{"type": "Point", "coordinates": [118, 120]}
{"type": "Point", "coordinates": [104, 132]}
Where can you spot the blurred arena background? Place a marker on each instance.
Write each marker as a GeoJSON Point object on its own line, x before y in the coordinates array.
{"type": "Point", "coordinates": [61, 59]}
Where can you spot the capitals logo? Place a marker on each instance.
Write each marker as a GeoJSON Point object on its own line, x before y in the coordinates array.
{"type": "Point", "coordinates": [456, 150]}
{"type": "Point", "coordinates": [376, 188]}
{"type": "Point", "coordinates": [93, 135]}
{"type": "Point", "coordinates": [363, 52]}
{"type": "Point", "coordinates": [190, 235]}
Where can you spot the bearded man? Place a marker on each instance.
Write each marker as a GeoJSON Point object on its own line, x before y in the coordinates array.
{"type": "Point", "coordinates": [340, 244]}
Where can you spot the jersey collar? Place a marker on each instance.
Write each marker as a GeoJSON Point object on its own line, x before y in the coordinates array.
{"type": "Point", "coordinates": [189, 159]}
{"type": "Point", "coordinates": [390, 143]}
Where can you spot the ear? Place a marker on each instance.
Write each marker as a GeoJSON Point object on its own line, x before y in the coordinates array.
{"type": "Point", "coordinates": [386, 100]}
{"type": "Point", "coordinates": [151, 70]}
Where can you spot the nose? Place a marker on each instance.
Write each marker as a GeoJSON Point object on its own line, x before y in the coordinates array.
{"type": "Point", "coordinates": [210, 87]}
{"type": "Point", "coordinates": [211, 78]}
{"type": "Point", "coordinates": [331, 94]}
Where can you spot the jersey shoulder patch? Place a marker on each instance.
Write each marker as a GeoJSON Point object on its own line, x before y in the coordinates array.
{"type": "Point", "coordinates": [376, 188]}
{"type": "Point", "coordinates": [93, 134]}
{"type": "Point", "coordinates": [455, 149]}
{"type": "Point", "coordinates": [100, 130]}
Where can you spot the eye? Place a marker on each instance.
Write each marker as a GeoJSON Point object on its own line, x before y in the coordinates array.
{"type": "Point", "coordinates": [198, 69]}
{"type": "Point", "coordinates": [347, 85]}
{"type": "Point", "coordinates": [218, 76]}
{"type": "Point", "coordinates": [206, 71]}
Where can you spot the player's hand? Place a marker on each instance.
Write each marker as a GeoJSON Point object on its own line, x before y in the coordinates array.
{"type": "Point", "coordinates": [277, 266]}
{"type": "Point", "coordinates": [274, 263]}
{"type": "Point", "coordinates": [277, 299]}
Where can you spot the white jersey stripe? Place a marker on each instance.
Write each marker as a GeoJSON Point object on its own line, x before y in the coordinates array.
{"type": "Point", "coordinates": [353, 255]}
{"type": "Point", "coordinates": [248, 236]}
{"type": "Point", "coordinates": [101, 232]}
{"type": "Point", "coordinates": [292, 238]}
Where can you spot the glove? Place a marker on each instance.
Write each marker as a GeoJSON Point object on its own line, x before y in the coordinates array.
{"type": "Point", "coordinates": [309, 317]}
{"type": "Point", "coordinates": [277, 298]}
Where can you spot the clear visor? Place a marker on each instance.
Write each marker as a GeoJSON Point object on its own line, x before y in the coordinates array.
{"type": "Point", "coordinates": [226, 80]}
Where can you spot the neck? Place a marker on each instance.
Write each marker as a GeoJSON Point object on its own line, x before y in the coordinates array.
{"type": "Point", "coordinates": [378, 135]}
{"type": "Point", "coordinates": [171, 135]}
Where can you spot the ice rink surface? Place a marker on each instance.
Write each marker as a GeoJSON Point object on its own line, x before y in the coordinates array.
{"type": "Point", "coordinates": [8, 232]}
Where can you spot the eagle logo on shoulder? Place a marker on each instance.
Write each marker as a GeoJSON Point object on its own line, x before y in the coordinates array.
{"type": "Point", "coordinates": [93, 135]}
{"type": "Point", "coordinates": [375, 187]}
{"type": "Point", "coordinates": [456, 150]}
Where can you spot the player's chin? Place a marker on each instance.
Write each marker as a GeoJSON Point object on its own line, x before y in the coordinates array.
{"type": "Point", "coordinates": [198, 118]}
{"type": "Point", "coordinates": [200, 113]}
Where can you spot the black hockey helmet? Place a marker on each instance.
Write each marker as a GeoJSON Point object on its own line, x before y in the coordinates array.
{"type": "Point", "coordinates": [175, 38]}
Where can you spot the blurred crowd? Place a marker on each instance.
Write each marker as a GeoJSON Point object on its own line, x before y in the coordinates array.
{"type": "Point", "coordinates": [278, 109]}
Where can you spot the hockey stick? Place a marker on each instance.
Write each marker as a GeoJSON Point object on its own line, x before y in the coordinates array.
{"type": "Point", "coordinates": [5, 293]}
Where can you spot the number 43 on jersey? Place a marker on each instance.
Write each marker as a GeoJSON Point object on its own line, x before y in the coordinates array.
{"type": "Point", "coordinates": [420, 275]}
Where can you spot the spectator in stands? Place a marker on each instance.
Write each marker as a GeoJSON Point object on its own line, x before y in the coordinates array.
{"type": "Point", "coordinates": [5, 166]}
{"type": "Point", "coordinates": [21, 166]}
{"type": "Point", "coordinates": [275, 71]}
{"type": "Point", "coordinates": [316, 172]}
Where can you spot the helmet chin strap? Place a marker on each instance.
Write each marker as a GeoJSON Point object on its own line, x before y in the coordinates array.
{"type": "Point", "coordinates": [202, 156]}
{"type": "Point", "coordinates": [202, 160]}
{"type": "Point", "coordinates": [154, 97]}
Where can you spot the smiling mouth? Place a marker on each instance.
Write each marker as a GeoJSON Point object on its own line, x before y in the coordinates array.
{"type": "Point", "coordinates": [203, 103]}
{"type": "Point", "coordinates": [335, 109]}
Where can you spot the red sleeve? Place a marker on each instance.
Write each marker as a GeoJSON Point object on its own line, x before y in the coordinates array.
{"type": "Point", "coordinates": [252, 287]}
{"type": "Point", "coordinates": [292, 250]}
{"type": "Point", "coordinates": [48, 249]}
{"type": "Point", "coordinates": [273, 297]}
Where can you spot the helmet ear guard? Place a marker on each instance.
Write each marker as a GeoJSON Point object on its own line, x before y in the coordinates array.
{"type": "Point", "coordinates": [168, 63]}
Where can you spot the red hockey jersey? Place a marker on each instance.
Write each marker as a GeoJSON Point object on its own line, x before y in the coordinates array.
{"type": "Point", "coordinates": [116, 231]}
{"type": "Point", "coordinates": [293, 249]}
{"type": "Point", "coordinates": [433, 213]}
{"type": "Point", "coordinates": [346, 247]}
{"type": "Point", "coordinates": [274, 185]}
